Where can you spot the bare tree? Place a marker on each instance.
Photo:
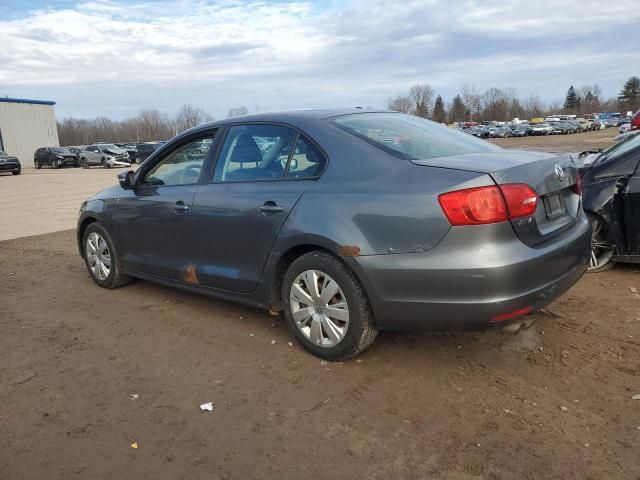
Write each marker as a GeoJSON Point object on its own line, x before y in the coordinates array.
{"type": "Point", "coordinates": [422, 96]}
{"type": "Point", "coordinates": [399, 104]}
{"type": "Point", "coordinates": [236, 112]}
{"type": "Point", "coordinates": [471, 99]}
{"type": "Point", "coordinates": [188, 117]}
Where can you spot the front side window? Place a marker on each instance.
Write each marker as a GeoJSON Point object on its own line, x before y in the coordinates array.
{"type": "Point", "coordinates": [254, 152]}
{"type": "Point", "coordinates": [306, 161]}
{"type": "Point", "coordinates": [182, 166]}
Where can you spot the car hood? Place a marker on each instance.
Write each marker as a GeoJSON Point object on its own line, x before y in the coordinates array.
{"type": "Point", "coordinates": [115, 151]}
{"type": "Point", "coordinates": [7, 157]}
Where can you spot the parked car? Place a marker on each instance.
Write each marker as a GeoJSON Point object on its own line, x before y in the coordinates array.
{"type": "Point", "coordinates": [585, 124]}
{"type": "Point", "coordinates": [624, 127]}
{"type": "Point", "coordinates": [522, 130]}
{"type": "Point", "coordinates": [352, 221]}
{"type": "Point", "coordinates": [143, 150]}
{"type": "Point", "coordinates": [105, 155]}
{"type": "Point", "coordinates": [54, 157]}
{"type": "Point", "coordinates": [611, 197]}
{"type": "Point", "coordinates": [560, 128]}
{"type": "Point", "coordinates": [480, 131]}
{"type": "Point", "coordinates": [541, 129]}
{"type": "Point", "coordinates": [131, 149]}
{"type": "Point", "coordinates": [9, 163]}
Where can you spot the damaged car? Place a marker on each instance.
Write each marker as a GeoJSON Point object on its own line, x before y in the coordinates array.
{"type": "Point", "coordinates": [347, 222]}
{"type": "Point", "coordinates": [104, 155]}
{"type": "Point", "coordinates": [611, 198]}
{"type": "Point", "coordinates": [9, 163]}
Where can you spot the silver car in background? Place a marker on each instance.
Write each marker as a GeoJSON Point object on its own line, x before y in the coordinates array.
{"type": "Point", "coordinates": [105, 155]}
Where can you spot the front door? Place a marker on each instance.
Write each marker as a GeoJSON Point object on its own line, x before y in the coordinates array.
{"type": "Point", "coordinates": [261, 172]}
{"type": "Point", "coordinates": [631, 208]}
{"type": "Point", "coordinates": [155, 217]}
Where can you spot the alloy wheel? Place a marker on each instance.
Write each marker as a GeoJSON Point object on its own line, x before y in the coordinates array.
{"type": "Point", "coordinates": [98, 256]}
{"type": "Point", "coordinates": [319, 308]}
{"type": "Point", "coordinates": [602, 248]}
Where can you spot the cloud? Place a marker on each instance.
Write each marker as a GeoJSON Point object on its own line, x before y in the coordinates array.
{"type": "Point", "coordinates": [116, 57]}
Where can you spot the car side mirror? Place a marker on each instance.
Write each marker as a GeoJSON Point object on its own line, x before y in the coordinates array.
{"type": "Point", "coordinates": [126, 179]}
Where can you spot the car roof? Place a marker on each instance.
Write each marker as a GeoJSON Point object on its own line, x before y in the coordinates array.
{"type": "Point", "coordinates": [291, 116]}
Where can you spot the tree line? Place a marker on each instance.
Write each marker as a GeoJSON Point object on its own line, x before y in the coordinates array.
{"type": "Point", "coordinates": [470, 104]}
{"type": "Point", "coordinates": [504, 104]}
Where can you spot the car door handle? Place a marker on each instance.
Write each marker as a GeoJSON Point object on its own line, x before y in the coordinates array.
{"type": "Point", "coordinates": [180, 207]}
{"type": "Point", "coordinates": [271, 207]}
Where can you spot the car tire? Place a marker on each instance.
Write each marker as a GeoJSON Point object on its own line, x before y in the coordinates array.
{"type": "Point", "coordinates": [602, 246]}
{"type": "Point", "coordinates": [105, 164]}
{"type": "Point", "coordinates": [96, 253]}
{"type": "Point", "coordinates": [327, 336]}
{"type": "Point", "coordinates": [84, 163]}
{"type": "Point", "coordinates": [36, 164]}
{"type": "Point", "coordinates": [17, 172]}
{"type": "Point", "coordinates": [54, 164]}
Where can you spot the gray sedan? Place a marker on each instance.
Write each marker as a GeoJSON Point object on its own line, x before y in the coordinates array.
{"type": "Point", "coordinates": [348, 222]}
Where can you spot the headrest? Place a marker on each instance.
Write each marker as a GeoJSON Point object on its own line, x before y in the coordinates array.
{"type": "Point", "coordinates": [246, 150]}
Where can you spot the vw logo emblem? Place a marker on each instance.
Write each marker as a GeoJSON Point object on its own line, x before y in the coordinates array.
{"type": "Point", "coordinates": [559, 172]}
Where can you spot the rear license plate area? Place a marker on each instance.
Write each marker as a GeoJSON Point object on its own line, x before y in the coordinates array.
{"type": "Point", "coordinates": [553, 206]}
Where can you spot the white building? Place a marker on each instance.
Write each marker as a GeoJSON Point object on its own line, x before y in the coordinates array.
{"type": "Point", "coordinates": [26, 125]}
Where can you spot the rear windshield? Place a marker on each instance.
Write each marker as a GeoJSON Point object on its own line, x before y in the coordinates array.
{"type": "Point", "coordinates": [409, 137]}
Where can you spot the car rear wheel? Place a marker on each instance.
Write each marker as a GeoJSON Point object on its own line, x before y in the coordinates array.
{"type": "Point", "coordinates": [326, 308]}
{"type": "Point", "coordinates": [101, 258]}
{"type": "Point", "coordinates": [602, 245]}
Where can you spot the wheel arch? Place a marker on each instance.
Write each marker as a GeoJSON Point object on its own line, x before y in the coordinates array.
{"type": "Point", "coordinates": [82, 227]}
{"type": "Point", "coordinates": [281, 261]}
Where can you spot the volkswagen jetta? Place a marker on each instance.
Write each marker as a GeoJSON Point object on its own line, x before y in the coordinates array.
{"type": "Point", "coordinates": [347, 221]}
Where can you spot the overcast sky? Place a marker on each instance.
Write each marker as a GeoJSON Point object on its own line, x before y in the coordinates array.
{"type": "Point", "coordinates": [114, 58]}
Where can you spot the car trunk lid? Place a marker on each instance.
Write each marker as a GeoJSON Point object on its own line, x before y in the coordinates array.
{"type": "Point", "coordinates": [551, 176]}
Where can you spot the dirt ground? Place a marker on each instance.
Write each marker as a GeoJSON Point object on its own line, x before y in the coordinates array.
{"type": "Point", "coordinates": [553, 402]}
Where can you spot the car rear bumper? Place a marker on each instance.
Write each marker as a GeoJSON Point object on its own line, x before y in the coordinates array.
{"type": "Point", "coordinates": [474, 275]}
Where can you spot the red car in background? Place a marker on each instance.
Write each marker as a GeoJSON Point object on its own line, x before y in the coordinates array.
{"type": "Point", "coordinates": [635, 121]}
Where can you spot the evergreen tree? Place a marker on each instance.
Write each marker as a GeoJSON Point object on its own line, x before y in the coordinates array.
{"type": "Point", "coordinates": [630, 94]}
{"type": "Point", "coordinates": [439, 114]}
{"type": "Point", "coordinates": [458, 112]}
{"type": "Point", "coordinates": [571, 101]}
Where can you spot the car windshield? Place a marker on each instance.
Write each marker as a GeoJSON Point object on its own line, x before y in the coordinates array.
{"type": "Point", "coordinates": [59, 150]}
{"type": "Point", "coordinates": [619, 149]}
{"type": "Point", "coordinates": [108, 146]}
{"type": "Point", "coordinates": [409, 137]}
{"type": "Point", "coordinates": [3, 153]}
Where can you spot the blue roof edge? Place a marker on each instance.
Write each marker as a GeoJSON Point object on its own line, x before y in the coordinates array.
{"type": "Point", "coordinates": [26, 100]}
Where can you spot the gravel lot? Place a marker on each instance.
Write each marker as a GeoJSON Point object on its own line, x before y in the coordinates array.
{"type": "Point", "coordinates": [553, 402]}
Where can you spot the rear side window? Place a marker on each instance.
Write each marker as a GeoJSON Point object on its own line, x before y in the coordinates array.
{"type": "Point", "coordinates": [409, 137]}
{"type": "Point", "coordinates": [254, 152]}
{"type": "Point", "coordinates": [306, 161]}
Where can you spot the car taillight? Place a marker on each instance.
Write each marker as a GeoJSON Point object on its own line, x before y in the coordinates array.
{"type": "Point", "coordinates": [484, 205]}
{"type": "Point", "coordinates": [577, 187]}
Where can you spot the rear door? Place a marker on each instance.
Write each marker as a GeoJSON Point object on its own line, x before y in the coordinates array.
{"type": "Point", "coordinates": [261, 172]}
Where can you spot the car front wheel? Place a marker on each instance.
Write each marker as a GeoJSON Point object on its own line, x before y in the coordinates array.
{"type": "Point", "coordinates": [326, 308]}
{"type": "Point", "coordinates": [602, 245]}
{"type": "Point", "coordinates": [54, 164]}
{"type": "Point", "coordinates": [101, 258]}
